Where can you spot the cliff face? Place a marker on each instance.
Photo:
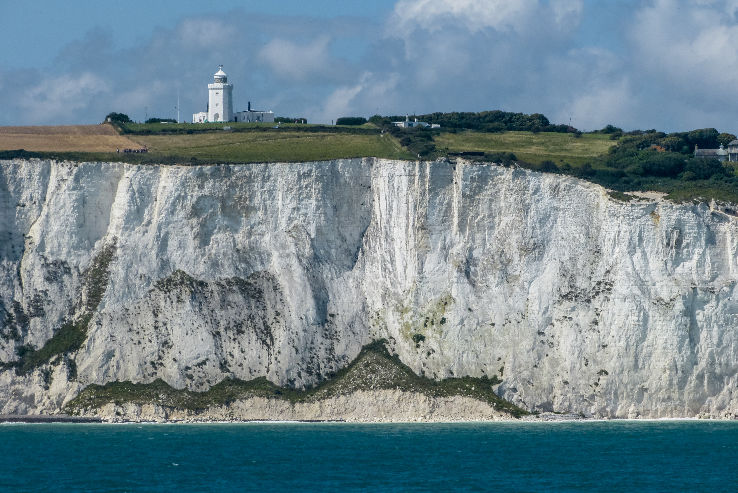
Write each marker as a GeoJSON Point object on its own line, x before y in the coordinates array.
{"type": "Point", "coordinates": [579, 303]}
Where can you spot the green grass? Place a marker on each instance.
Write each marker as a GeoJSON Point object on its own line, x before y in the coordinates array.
{"type": "Point", "coordinates": [689, 191]}
{"type": "Point", "coordinates": [620, 196]}
{"type": "Point", "coordinates": [373, 369]}
{"type": "Point", "coordinates": [189, 128]}
{"type": "Point", "coordinates": [531, 147]}
{"type": "Point", "coordinates": [270, 146]}
{"type": "Point", "coordinates": [68, 338]}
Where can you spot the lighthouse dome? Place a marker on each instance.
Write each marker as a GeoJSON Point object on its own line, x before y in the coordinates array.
{"type": "Point", "coordinates": [220, 76]}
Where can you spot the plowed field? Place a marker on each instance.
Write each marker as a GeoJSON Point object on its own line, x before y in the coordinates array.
{"type": "Point", "coordinates": [64, 138]}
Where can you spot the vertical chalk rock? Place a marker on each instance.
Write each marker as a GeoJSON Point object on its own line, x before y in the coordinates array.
{"type": "Point", "coordinates": [577, 302]}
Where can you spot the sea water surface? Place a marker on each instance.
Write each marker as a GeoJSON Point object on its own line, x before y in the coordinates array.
{"type": "Point", "coordinates": [573, 456]}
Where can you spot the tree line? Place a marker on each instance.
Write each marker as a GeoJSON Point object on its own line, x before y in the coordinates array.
{"type": "Point", "coordinates": [484, 121]}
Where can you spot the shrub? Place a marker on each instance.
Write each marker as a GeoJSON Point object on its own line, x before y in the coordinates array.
{"type": "Point", "coordinates": [548, 167]}
{"type": "Point", "coordinates": [610, 129]}
{"type": "Point", "coordinates": [351, 120]}
{"type": "Point", "coordinates": [501, 157]}
{"type": "Point", "coordinates": [161, 120]}
{"type": "Point", "coordinates": [117, 118]}
{"type": "Point", "coordinates": [725, 138]}
{"type": "Point", "coordinates": [702, 169]}
{"type": "Point", "coordinates": [289, 119]}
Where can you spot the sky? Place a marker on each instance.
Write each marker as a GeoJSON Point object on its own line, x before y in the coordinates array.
{"type": "Point", "coordinates": [665, 64]}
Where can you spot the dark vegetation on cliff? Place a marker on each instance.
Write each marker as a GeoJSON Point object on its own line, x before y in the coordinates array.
{"type": "Point", "coordinates": [373, 369]}
{"type": "Point", "coordinates": [73, 332]}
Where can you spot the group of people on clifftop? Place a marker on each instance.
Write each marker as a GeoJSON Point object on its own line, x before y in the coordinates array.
{"type": "Point", "coordinates": [139, 151]}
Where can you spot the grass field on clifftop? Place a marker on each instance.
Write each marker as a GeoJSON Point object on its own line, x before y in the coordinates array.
{"type": "Point", "coordinates": [528, 146]}
{"type": "Point", "coordinates": [271, 146]}
{"type": "Point", "coordinates": [253, 142]}
{"type": "Point", "coordinates": [203, 143]}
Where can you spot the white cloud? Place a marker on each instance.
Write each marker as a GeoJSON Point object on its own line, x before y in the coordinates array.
{"type": "Point", "coordinates": [56, 97]}
{"type": "Point", "coordinates": [480, 15]}
{"type": "Point", "coordinates": [373, 93]}
{"type": "Point", "coordinates": [600, 105]}
{"type": "Point", "coordinates": [476, 15]}
{"type": "Point", "coordinates": [146, 95]}
{"type": "Point", "coordinates": [340, 102]}
{"type": "Point", "coordinates": [567, 12]}
{"type": "Point", "coordinates": [205, 32]}
{"type": "Point", "coordinates": [689, 44]}
{"type": "Point", "coordinates": [298, 61]}
{"type": "Point", "coordinates": [685, 53]}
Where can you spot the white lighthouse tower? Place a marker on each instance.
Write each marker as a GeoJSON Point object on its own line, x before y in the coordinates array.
{"type": "Point", "coordinates": [220, 100]}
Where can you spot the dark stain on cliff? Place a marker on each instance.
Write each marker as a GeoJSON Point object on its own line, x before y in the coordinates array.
{"type": "Point", "coordinates": [73, 332]}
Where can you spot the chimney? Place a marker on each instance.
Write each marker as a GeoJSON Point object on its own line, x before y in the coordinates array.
{"type": "Point", "coordinates": [249, 105]}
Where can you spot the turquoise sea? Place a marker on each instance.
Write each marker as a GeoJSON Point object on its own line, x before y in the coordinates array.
{"type": "Point", "coordinates": [574, 456]}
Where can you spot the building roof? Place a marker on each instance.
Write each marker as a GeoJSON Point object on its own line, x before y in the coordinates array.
{"type": "Point", "coordinates": [706, 152]}
{"type": "Point", "coordinates": [733, 143]}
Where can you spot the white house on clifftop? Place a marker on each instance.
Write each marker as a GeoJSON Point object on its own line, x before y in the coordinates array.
{"type": "Point", "coordinates": [220, 104]}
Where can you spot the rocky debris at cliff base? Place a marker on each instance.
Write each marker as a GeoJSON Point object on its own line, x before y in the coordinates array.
{"type": "Point", "coordinates": [554, 417]}
{"type": "Point", "coordinates": [375, 386]}
{"type": "Point", "coordinates": [47, 418]}
{"type": "Point", "coordinates": [376, 406]}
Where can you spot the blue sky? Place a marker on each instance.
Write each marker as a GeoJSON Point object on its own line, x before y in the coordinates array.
{"type": "Point", "coordinates": [666, 64]}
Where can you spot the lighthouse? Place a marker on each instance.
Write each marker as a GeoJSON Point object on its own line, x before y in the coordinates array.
{"type": "Point", "coordinates": [220, 104]}
{"type": "Point", "coordinates": [220, 98]}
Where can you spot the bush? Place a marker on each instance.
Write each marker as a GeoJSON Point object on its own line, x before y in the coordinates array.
{"type": "Point", "coordinates": [702, 169]}
{"type": "Point", "coordinates": [584, 171]}
{"type": "Point", "coordinates": [725, 138]}
{"type": "Point", "coordinates": [351, 120]}
{"type": "Point", "coordinates": [501, 157]}
{"type": "Point", "coordinates": [161, 120]}
{"type": "Point", "coordinates": [548, 167]}
{"type": "Point", "coordinates": [287, 119]}
{"type": "Point", "coordinates": [380, 120]}
{"type": "Point", "coordinates": [485, 121]}
{"type": "Point", "coordinates": [610, 129]}
{"type": "Point", "coordinates": [706, 138]}
{"type": "Point", "coordinates": [117, 118]}
{"type": "Point", "coordinates": [662, 164]}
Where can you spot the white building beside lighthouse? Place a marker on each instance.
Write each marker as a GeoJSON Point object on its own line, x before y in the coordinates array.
{"type": "Point", "coordinates": [220, 104]}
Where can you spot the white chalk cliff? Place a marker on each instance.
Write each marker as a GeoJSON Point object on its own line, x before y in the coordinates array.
{"type": "Point", "coordinates": [577, 302]}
